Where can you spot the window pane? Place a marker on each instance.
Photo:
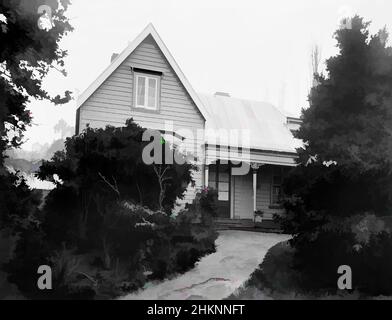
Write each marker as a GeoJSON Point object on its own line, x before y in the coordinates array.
{"type": "Point", "coordinates": [223, 196]}
{"type": "Point", "coordinates": [223, 186]}
{"type": "Point", "coordinates": [223, 176]}
{"type": "Point", "coordinates": [152, 92]}
{"type": "Point", "coordinates": [141, 89]}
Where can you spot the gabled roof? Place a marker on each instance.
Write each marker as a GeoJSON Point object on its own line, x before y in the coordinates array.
{"type": "Point", "coordinates": [149, 30]}
{"type": "Point", "coordinates": [267, 124]}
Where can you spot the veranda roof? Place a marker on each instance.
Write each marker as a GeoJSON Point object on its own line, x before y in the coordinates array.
{"type": "Point", "coordinates": [266, 124]}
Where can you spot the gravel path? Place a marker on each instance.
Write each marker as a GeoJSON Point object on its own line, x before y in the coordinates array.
{"type": "Point", "coordinates": [217, 275]}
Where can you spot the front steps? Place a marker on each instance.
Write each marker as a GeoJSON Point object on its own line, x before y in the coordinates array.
{"type": "Point", "coordinates": [266, 226]}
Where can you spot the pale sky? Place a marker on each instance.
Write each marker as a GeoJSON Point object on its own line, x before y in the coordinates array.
{"type": "Point", "coordinates": [252, 49]}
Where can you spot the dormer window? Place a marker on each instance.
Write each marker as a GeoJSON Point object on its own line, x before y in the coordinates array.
{"type": "Point", "coordinates": [146, 87]}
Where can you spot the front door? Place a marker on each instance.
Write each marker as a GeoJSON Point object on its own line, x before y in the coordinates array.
{"type": "Point", "coordinates": [243, 197]}
{"type": "Point", "coordinates": [219, 179]}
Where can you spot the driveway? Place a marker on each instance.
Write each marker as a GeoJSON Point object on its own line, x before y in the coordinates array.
{"type": "Point", "coordinates": [217, 275]}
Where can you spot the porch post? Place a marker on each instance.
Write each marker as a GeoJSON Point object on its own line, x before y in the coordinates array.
{"type": "Point", "coordinates": [254, 190]}
{"type": "Point", "coordinates": [231, 188]}
{"type": "Point", "coordinates": [206, 172]}
{"type": "Point", "coordinates": [255, 167]}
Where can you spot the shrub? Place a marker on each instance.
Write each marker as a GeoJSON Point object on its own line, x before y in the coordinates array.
{"type": "Point", "coordinates": [208, 201]}
{"type": "Point", "coordinates": [362, 242]}
{"type": "Point", "coordinates": [30, 252]}
{"type": "Point", "coordinates": [98, 171]}
{"type": "Point", "coordinates": [310, 264]}
{"type": "Point", "coordinates": [133, 244]}
{"type": "Point", "coordinates": [188, 237]}
{"type": "Point", "coordinates": [18, 203]}
{"type": "Point", "coordinates": [113, 213]}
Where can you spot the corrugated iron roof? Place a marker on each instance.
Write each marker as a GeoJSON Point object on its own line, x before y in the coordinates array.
{"type": "Point", "coordinates": [267, 125]}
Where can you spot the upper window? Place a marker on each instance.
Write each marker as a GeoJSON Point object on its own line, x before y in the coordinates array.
{"type": "Point", "coordinates": [146, 92]}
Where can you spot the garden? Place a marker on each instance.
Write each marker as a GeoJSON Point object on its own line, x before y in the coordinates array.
{"type": "Point", "coordinates": [109, 225]}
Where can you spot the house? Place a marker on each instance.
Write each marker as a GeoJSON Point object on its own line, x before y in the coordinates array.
{"type": "Point", "coordinates": [145, 82]}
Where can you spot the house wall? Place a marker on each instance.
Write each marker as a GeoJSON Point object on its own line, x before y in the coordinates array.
{"type": "Point", "coordinates": [113, 102]}
{"type": "Point", "coordinates": [242, 194]}
{"type": "Point", "coordinates": [263, 197]}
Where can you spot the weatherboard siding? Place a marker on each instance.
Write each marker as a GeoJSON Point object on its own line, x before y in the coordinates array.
{"type": "Point", "coordinates": [113, 102]}
{"type": "Point", "coordinates": [263, 197]}
{"type": "Point", "coordinates": [243, 194]}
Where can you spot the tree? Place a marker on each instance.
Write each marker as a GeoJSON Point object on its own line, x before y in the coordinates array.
{"type": "Point", "coordinates": [63, 128]}
{"type": "Point", "coordinates": [27, 53]}
{"type": "Point", "coordinates": [315, 63]}
{"type": "Point", "coordinates": [345, 165]}
{"type": "Point", "coordinates": [343, 182]}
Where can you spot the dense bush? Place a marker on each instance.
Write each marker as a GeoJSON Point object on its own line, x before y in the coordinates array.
{"type": "Point", "coordinates": [108, 162]}
{"type": "Point", "coordinates": [363, 242]}
{"type": "Point", "coordinates": [309, 270]}
{"type": "Point", "coordinates": [18, 204]}
{"type": "Point", "coordinates": [108, 226]}
{"type": "Point", "coordinates": [140, 245]}
{"type": "Point", "coordinates": [97, 170]}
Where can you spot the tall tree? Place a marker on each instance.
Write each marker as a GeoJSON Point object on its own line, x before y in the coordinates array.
{"type": "Point", "coordinates": [347, 130]}
{"type": "Point", "coordinates": [344, 170]}
{"type": "Point", "coordinates": [28, 51]}
{"type": "Point", "coordinates": [63, 128]}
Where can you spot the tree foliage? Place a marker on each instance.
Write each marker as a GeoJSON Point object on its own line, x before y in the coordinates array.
{"type": "Point", "coordinates": [347, 153]}
{"type": "Point", "coordinates": [27, 53]}
{"type": "Point", "coordinates": [106, 164]}
{"type": "Point", "coordinates": [98, 171]}
{"type": "Point", "coordinates": [344, 175]}
{"type": "Point", "coordinates": [105, 214]}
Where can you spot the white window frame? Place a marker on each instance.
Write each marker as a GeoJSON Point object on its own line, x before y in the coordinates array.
{"type": "Point", "coordinates": [146, 88]}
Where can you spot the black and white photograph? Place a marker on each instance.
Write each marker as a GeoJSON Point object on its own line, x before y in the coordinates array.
{"type": "Point", "coordinates": [220, 151]}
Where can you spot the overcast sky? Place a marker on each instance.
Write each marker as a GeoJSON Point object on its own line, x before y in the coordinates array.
{"type": "Point", "coordinates": [251, 49]}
